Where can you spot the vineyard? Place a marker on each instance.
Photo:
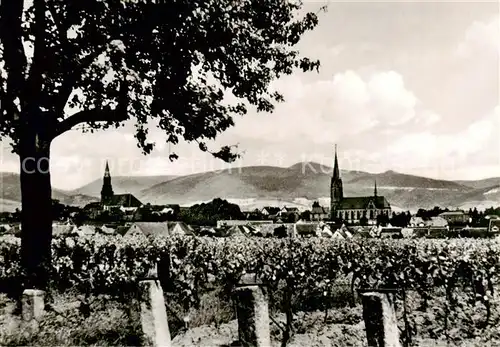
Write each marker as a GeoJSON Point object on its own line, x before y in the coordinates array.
{"type": "Point", "coordinates": [445, 288]}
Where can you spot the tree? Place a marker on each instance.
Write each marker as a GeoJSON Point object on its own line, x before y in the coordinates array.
{"type": "Point", "coordinates": [428, 214]}
{"type": "Point", "coordinates": [79, 218]}
{"type": "Point", "coordinates": [16, 216]}
{"type": "Point", "coordinates": [291, 218]}
{"type": "Point", "coordinates": [474, 214]}
{"type": "Point", "coordinates": [209, 213]}
{"type": "Point", "coordinates": [400, 219]}
{"type": "Point", "coordinates": [306, 215]}
{"type": "Point", "coordinates": [382, 219]}
{"type": "Point", "coordinates": [115, 60]}
{"type": "Point", "coordinates": [363, 221]}
{"type": "Point", "coordinates": [60, 212]}
{"type": "Point", "coordinates": [255, 215]}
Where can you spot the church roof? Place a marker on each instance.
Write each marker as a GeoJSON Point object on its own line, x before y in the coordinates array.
{"type": "Point", "coordinates": [125, 200]}
{"type": "Point", "coordinates": [362, 203]}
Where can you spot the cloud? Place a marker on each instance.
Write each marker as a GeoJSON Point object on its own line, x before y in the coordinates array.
{"type": "Point", "coordinates": [432, 151]}
{"type": "Point", "coordinates": [473, 89]}
{"type": "Point", "coordinates": [335, 109]}
{"type": "Point", "coordinates": [481, 38]}
{"type": "Point", "coordinates": [428, 118]}
{"type": "Point", "coordinates": [392, 102]}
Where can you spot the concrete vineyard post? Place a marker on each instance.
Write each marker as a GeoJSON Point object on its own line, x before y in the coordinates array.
{"type": "Point", "coordinates": [252, 311]}
{"type": "Point", "coordinates": [153, 315]}
{"type": "Point", "coordinates": [380, 319]}
{"type": "Point", "coordinates": [33, 304]}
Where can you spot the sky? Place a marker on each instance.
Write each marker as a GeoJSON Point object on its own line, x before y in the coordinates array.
{"type": "Point", "coordinates": [406, 86]}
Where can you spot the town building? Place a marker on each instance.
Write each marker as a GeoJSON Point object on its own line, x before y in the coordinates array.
{"type": "Point", "coordinates": [455, 217]}
{"type": "Point", "coordinates": [289, 214]}
{"type": "Point", "coordinates": [270, 211]}
{"type": "Point", "coordinates": [355, 209]}
{"type": "Point", "coordinates": [127, 203]}
{"type": "Point", "coordinates": [494, 226]}
{"type": "Point", "coordinates": [416, 222]}
{"type": "Point", "coordinates": [233, 222]}
{"type": "Point", "coordinates": [318, 212]}
{"type": "Point", "coordinates": [305, 230]}
{"type": "Point", "coordinates": [390, 232]}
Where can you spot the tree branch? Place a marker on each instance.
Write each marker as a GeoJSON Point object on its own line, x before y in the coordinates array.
{"type": "Point", "coordinates": [59, 23]}
{"type": "Point", "coordinates": [35, 80]}
{"type": "Point", "coordinates": [106, 114]}
{"type": "Point", "coordinates": [66, 88]}
{"type": "Point", "coordinates": [88, 116]}
{"type": "Point", "coordinates": [79, 65]}
{"type": "Point", "coordinates": [13, 50]}
{"type": "Point", "coordinates": [73, 77]}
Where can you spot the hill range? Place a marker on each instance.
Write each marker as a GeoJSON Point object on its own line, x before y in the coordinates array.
{"type": "Point", "coordinates": [257, 186]}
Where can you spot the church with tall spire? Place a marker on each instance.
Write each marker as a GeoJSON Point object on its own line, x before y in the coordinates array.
{"type": "Point", "coordinates": [354, 209]}
{"type": "Point", "coordinates": [109, 200]}
{"type": "Point", "coordinates": [107, 189]}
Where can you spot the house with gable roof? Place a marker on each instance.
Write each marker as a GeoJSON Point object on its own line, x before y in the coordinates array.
{"type": "Point", "coordinates": [243, 230]}
{"type": "Point", "coordinates": [342, 233]}
{"type": "Point", "coordinates": [154, 229]}
{"type": "Point", "coordinates": [318, 212]}
{"type": "Point", "coordinates": [270, 211]}
{"type": "Point", "coordinates": [390, 232]}
{"type": "Point", "coordinates": [494, 227]}
{"type": "Point", "coordinates": [306, 229]}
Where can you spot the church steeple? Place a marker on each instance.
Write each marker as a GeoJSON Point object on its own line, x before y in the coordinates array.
{"type": "Point", "coordinates": [336, 190]}
{"type": "Point", "coordinates": [106, 170]}
{"type": "Point", "coordinates": [107, 189]}
{"type": "Point", "coordinates": [336, 171]}
{"type": "Point", "coordinates": [375, 190]}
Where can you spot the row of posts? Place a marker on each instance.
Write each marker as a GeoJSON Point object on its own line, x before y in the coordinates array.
{"type": "Point", "coordinates": [251, 309]}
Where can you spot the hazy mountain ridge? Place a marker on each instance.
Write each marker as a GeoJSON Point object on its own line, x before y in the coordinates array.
{"type": "Point", "coordinates": [484, 183]}
{"type": "Point", "coordinates": [10, 193]}
{"type": "Point", "coordinates": [298, 184]}
{"type": "Point", "coordinates": [122, 184]}
{"type": "Point", "coordinates": [395, 179]}
{"type": "Point", "coordinates": [309, 181]}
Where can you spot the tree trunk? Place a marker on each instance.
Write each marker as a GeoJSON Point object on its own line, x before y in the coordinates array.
{"type": "Point", "coordinates": [36, 214]}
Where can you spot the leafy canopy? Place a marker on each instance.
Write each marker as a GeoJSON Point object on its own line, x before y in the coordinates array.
{"type": "Point", "coordinates": [168, 61]}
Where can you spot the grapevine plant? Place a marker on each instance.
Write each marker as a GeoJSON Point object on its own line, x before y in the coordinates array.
{"type": "Point", "coordinates": [462, 271]}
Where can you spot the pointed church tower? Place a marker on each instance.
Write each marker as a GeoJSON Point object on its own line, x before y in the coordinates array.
{"type": "Point", "coordinates": [336, 190]}
{"type": "Point", "coordinates": [107, 189]}
{"type": "Point", "coordinates": [375, 190]}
